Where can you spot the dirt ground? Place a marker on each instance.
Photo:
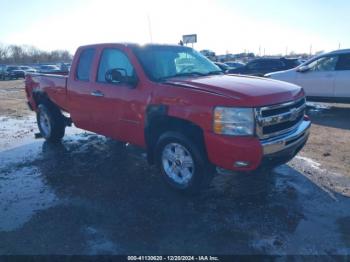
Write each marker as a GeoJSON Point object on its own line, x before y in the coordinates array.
{"type": "Point", "coordinates": [12, 97]}
{"type": "Point", "coordinates": [91, 195]}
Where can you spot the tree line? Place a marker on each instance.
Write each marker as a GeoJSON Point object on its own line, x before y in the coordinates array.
{"type": "Point", "coordinates": [23, 54]}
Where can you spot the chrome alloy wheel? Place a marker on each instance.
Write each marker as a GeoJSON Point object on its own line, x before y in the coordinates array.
{"type": "Point", "coordinates": [45, 124]}
{"type": "Point", "coordinates": [178, 163]}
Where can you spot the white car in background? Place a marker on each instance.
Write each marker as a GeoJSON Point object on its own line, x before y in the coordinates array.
{"type": "Point", "coordinates": [325, 77]}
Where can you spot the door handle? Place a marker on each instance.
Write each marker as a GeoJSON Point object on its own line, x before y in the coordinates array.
{"type": "Point", "coordinates": [97, 93]}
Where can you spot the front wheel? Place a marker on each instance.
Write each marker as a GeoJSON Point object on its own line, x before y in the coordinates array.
{"type": "Point", "coordinates": [50, 122]}
{"type": "Point", "coordinates": [183, 164]}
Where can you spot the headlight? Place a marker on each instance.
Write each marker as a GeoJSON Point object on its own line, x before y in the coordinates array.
{"type": "Point", "coordinates": [233, 121]}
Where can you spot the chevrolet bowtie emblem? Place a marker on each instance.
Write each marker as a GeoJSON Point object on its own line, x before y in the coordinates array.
{"type": "Point", "coordinates": [293, 114]}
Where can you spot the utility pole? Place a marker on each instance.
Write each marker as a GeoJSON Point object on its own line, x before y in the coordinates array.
{"type": "Point", "coordinates": [150, 28]}
{"type": "Point", "coordinates": [339, 46]}
{"type": "Point", "coordinates": [310, 50]}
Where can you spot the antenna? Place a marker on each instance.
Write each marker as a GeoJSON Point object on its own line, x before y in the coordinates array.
{"type": "Point", "coordinates": [150, 28]}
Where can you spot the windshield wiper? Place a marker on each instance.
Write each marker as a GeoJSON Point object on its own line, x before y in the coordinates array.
{"type": "Point", "coordinates": [191, 74]}
{"type": "Point", "coordinates": [214, 73]}
{"type": "Point", "coordinates": [182, 74]}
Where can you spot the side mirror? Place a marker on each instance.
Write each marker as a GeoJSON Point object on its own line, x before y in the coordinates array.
{"type": "Point", "coordinates": [119, 75]}
{"type": "Point", "coordinates": [303, 69]}
{"type": "Point", "coordinates": [114, 75]}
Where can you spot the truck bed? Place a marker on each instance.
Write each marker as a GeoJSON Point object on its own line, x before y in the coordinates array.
{"type": "Point", "coordinates": [54, 85]}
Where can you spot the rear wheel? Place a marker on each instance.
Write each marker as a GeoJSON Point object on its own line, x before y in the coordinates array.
{"type": "Point", "coordinates": [183, 164]}
{"type": "Point", "coordinates": [50, 122]}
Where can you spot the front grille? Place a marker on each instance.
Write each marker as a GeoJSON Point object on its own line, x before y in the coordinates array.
{"type": "Point", "coordinates": [279, 119]}
{"type": "Point", "coordinates": [284, 109]}
{"type": "Point", "coordinates": [281, 126]}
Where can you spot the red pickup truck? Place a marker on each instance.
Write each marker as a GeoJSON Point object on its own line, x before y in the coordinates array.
{"type": "Point", "coordinates": [176, 104]}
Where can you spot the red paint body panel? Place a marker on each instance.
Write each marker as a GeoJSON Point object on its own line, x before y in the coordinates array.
{"type": "Point", "coordinates": [121, 113]}
{"type": "Point", "coordinates": [258, 91]}
{"type": "Point", "coordinates": [226, 150]}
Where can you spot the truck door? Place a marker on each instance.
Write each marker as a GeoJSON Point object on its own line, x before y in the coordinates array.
{"type": "Point", "coordinates": [342, 78]}
{"type": "Point", "coordinates": [120, 106]}
{"type": "Point", "coordinates": [318, 81]}
{"type": "Point", "coordinates": [79, 89]}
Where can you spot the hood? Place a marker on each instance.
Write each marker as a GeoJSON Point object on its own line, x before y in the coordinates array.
{"type": "Point", "coordinates": [245, 90]}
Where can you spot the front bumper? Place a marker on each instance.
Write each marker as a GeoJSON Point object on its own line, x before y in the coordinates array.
{"type": "Point", "coordinates": [289, 140]}
{"type": "Point", "coordinates": [282, 149]}
{"type": "Point", "coordinates": [225, 152]}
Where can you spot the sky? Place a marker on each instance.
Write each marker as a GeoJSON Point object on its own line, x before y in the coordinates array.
{"type": "Point", "coordinates": [224, 26]}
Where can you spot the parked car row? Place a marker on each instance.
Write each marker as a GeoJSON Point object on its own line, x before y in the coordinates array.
{"type": "Point", "coordinates": [262, 66]}
{"type": "Point", "coordinates": [17, 72]}
{"type": "Point", "coordinates": [258, 67]}
{"type": "Point", "coordinates": [47, 69]}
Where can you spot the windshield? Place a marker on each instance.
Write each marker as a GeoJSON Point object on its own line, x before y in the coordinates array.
{"type": "Point", "coordinates": [163, 62]}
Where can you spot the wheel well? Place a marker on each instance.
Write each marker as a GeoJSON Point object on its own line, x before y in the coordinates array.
{"type": "Point", "coordinates": [157, 125]}
{"type": "Point", "coordinates": [41, 97]}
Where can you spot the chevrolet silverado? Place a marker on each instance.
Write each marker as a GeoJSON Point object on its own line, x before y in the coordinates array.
{"type": "Point", "coordinates": [177, 105]}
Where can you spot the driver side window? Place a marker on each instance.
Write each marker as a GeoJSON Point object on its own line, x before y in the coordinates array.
{"type": "Point", "coordinates": [326, 63]}
{"type": "Point", "coordinates": [113, 59]}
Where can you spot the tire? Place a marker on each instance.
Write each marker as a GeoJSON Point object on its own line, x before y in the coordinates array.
{"type": "Point", "coordinates": [183, 163]}
{"type": "Point", "coordinates": [50, 122]}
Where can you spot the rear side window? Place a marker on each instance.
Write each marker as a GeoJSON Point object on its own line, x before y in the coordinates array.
{"type": "Point", "coordinates": [343, 62]}
{"type": "Point", "coordinates": [85, 64]}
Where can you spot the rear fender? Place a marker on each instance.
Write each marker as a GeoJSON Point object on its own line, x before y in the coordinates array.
{"type": "Point", "coordinates": [30, 87]}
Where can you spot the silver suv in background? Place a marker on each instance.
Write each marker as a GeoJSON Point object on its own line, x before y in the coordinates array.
{"type": "Point", "coordinates": [324, 78]}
